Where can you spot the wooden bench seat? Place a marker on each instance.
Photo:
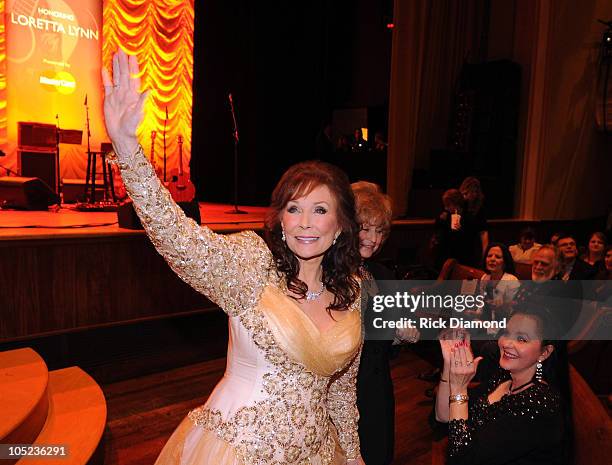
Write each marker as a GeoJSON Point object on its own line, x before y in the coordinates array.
{"type": "Point", "coordinates": [23, 396]}
{"type": "Point", "coordinates": [76, 418]}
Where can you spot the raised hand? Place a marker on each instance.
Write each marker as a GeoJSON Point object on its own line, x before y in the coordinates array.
{"type": "Point", "coordinates": [448, 339]}
{"type": "Point", "coordinates": [123, 101]}
{"type": "Point", "coordinates": [411, 335]}
{"type": "Point", "coordinates": [463, 366]}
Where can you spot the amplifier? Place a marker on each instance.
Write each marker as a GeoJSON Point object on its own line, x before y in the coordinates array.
{"type": "Point", "coordinates": [36, 135]}
{"type": "Point", "coordinates": [39, 164]}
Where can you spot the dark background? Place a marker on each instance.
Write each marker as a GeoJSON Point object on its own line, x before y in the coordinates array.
{"type": "Point", "coordinates": [288, 65]}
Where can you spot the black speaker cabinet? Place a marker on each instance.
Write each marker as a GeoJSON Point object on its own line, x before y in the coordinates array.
{"type": "Point", "coordinates": [39, 164]}
{"type": "Point", "coordinates": [26, 193]}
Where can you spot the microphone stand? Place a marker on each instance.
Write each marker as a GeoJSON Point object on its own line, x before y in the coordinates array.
{"type": "Point", "coordinates": [57, 154]}
{"type": "Point", "coordinates": [9, 171]}
{"type": "Point", "coordinates": [235, 211]}
{"type": "Point", "coordinates": [90, 178]}
{"type": "Point", "coordinates": [165, 123]}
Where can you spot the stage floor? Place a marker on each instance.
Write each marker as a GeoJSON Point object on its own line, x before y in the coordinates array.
{"type": "Point", "coordinates": [67, 222]}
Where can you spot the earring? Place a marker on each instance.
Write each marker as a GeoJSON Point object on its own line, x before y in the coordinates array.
{"type": "Point", "coordinates": [283, 237]}
{"type": "Point", "coordinates": [335, 239]}
{"type": "Point", "coordinates": [538, 373]}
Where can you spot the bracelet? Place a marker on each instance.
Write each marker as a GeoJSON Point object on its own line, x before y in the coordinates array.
{"type": "Point", "coordinates": [458, 399]}
{"type": "Point", "coordinates": [111, 157]}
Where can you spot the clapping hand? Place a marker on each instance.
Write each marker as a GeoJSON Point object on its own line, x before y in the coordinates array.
{"type": "Point", "coordinates": [123, 101]}
{"type": "Point", "coordinates": [411, 335]}
{"type": "Point", "coordinates": [463, 366]}
{"type": "Point", "coordinates": [448, 339]}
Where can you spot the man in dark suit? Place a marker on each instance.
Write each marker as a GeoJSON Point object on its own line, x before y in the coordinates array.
{"type": "Point", "coordinates": [547, 288]}
{"type": "Point", "coordinates": [573, 268]}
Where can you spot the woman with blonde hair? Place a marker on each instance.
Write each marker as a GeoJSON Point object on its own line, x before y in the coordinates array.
{"type": "Point", "coordinates": [375, 398]}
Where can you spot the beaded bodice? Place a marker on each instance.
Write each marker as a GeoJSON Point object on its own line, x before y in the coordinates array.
{"type": "Point", "coordinates": [529, 405]}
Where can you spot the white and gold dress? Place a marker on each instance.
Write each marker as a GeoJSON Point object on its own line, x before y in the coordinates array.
{"type": "Point", "coordinates": [288, 392]}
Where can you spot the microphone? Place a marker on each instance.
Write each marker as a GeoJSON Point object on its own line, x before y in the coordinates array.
{"type": "Point", "coordinates": [85, 102]}
{"type": "Point", "coordinates": [231, 101]}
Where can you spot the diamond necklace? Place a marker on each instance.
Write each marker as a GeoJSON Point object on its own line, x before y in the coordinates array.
{"type": "Point", "coordinates": [312, 295]}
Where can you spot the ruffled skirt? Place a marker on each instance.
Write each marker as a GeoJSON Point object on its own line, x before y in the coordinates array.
{"type": "Point", "coordinates": [194, 445]}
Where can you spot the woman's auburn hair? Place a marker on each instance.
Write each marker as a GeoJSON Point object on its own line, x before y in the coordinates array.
{"type": "Point", "coordinates": [341, 261]}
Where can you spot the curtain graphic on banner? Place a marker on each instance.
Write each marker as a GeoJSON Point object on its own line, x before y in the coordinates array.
{"type": "Point", "coordinates": [50, 56]}
{"type": "Point", "coordinates": [160, 34]}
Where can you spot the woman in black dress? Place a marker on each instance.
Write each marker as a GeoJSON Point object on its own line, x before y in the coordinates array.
{"type": "Point", "coordinates": [375, 399]}
{"type": "Point", "coordinates": [518, 414]}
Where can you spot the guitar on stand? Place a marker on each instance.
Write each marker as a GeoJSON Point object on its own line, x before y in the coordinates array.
{"type": "Point", "coordinates": [181, 188]}
{"type": "Point", "coordinates": [165, 124]}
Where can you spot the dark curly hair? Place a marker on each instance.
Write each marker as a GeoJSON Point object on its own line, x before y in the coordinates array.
{"type": "Point", "coordinates": [507, 256]}
{"type": "Point", "coordinates": [341, 261]}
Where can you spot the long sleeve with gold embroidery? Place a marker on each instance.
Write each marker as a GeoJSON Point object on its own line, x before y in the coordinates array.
{"type": "Point", "coordinates": [342, 407]}
{"type": "Point", "coordinates": [228, 269]}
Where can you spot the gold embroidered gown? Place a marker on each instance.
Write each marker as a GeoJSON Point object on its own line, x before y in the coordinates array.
{"type": "Point", "coordinates": [288, 392]}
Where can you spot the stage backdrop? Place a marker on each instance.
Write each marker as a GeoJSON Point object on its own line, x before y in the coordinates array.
{"type": "Point", "coordinates": [50, 55]}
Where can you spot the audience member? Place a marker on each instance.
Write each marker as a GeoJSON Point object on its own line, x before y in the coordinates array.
{"type": "Point", "coordinates": [573, 269]}
{"type": "Point", "coordinates": [380, 145]}
{"type": "Point", "coordinates": [519, 414]}
{"type": "Point", "coordinates": [527, 246]}
{"type": "Point", "coordinates": [324, 144]}
{"type": "Point", "coordinates": [594, 254]}
{"type": "Point", "coordinates": [475, 220]}
{"type": "Point", "coordinates": [450, 234]}
{"type": "Point", "coordinates": [554, 238]}
{"type": "Point", "coordinates": [499, 282]}
{"type": "Point", "coordinates": [606, 271]}
{"type": "Point", "coordinates": [344, 144]}
{"type": "Point", "coordinates": [602, 289]}
{"type": "Point", "coordinates": [358, 144]}
{"type": "Point", "coordinates": [375, 398]}
{"type": "Point", "coordinates": [547, 288]}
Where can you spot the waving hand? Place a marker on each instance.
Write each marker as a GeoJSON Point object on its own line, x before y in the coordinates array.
{"type": "Point", "coordinates": [123, 101]}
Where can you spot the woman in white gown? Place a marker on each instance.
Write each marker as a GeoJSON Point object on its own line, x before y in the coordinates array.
{"type": "Point", "coordinates": [288, 393]}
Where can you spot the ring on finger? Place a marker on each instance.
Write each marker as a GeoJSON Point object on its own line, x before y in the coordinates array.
{"type": "Point", "coordinates": [469, 362]}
